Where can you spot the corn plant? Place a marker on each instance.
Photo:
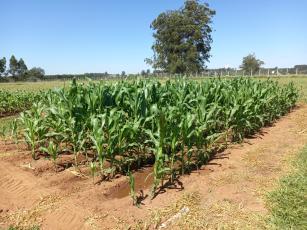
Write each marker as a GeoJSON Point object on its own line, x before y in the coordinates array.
{"type": "Point", "coordinates": [93, 168]}
{"type": "Point", "coordinates": [132, 188]}
{"type": "Point", "coordinates": [98, 138]}
{"type": "Point", "coordinates": [52, 150]}
{"type": "Point", "coordinates": [173, 125]}
{"type": "Point", "coordinates": [35, 130]}
{"type": "Point", "coordinates": [14, 130]}
{"type": "Point", "coordinates": [158, 141]}
{"type": "Point", "coordinates": [13, 102]}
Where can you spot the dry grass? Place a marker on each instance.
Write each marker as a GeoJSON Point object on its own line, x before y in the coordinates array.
{"type": "Point", "coordinates": [223, 214]}
{"type": "Point", "coordinates": [32, 86]}
{"type": "Point", "coordinates": [261, 168]}
{"type": "Point", "coordinates": [29, 218]}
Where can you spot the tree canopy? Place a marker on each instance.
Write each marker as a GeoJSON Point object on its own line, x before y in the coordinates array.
{"type": "Point", "coordinates": [251, 64]}
{"type": "Point", "coordinates": [18, 70]}
{"type": "Point", "coordinates": [301, 67]}
{"type": "Point", "coordinates": [182, 38]}
{"type": "Point", "coordinates": [13, 66]}
{"type": "Point", "coordinates": [2, 66]}
{"type": "Point", "coordinates": [22, 68]}
{"type": "Point", "coordinates": [36, 72]}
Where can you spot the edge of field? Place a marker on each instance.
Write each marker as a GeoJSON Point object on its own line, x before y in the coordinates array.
{"type": "Point", "coordinates": [287, 203]}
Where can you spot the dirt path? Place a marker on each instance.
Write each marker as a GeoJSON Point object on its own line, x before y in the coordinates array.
{"type": "Point", "coordinates": [226, 193]}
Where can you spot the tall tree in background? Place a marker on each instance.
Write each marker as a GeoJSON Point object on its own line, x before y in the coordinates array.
{"type": "Point", "coordinates": [13, 66]}
{"type": "Point", "coordinates": [251, 64]}
{"type": "Point", "coordinates": [143, 73]}
{"type": "Point", "coordinates": [17, 69]}
{"type": "Point", "coordinates": [35, 72]}
{"type": "Point", "coordinates": [183, 38]}
{"type": "Point", "coordinates": [2, 66]}
{"type": "Point", "coordinates": [22, 68]}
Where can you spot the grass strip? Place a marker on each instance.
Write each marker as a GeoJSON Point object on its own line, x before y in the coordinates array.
{"type": "Point", "coordinates": [288, 203]}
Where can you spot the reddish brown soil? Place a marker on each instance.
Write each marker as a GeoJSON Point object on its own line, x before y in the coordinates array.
{"type": "Point", "coordinates": [32, 193]}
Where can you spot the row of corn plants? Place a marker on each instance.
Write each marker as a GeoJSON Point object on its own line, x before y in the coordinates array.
{"type": "Point", "coordinates": [12, 102]}
{"type": "Point", "coordinates": [120, 127]}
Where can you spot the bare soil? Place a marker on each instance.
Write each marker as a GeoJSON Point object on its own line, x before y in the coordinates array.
{"type": "Point", "coordinates": [229, 189]}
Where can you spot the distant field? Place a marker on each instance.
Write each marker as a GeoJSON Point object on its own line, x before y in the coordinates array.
{"type": "Point", "coordinates": [299, 81]}
{"type": "Point", "coordinates": [32, 86]}
{"type": "Point", "coordinates": [40, 85]}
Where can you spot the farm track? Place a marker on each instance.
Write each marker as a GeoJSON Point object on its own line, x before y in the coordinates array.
{"type": "Point", "coordinates": [239, 177]}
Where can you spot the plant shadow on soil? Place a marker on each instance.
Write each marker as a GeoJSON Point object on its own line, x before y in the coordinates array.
{"type": "Point", "coordinates": [143, 176]}
{"type": "Point", "coordinates": [119, 187]}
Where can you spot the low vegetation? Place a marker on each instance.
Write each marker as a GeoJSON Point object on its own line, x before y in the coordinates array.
{"type": "Point", "coordinates": [125, 125]}
{"type": "Point", "coordinates": [288, 204]}
{"type": "Point", "coordinates": [12, 102]}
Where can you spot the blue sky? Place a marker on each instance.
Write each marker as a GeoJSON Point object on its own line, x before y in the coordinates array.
{"type": "Point", "coordinates": [77, 36]}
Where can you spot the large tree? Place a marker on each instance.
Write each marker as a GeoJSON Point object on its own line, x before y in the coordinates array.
{"type": "Point", "coordinates": [22, 68]}
{"type": "Point", "coordinates": [182, 38]}
{"type": "Point", "coordinates": [251, 64]}
{"type": "Point", "coordinates": [36, 72]}
{"type": "Point", "coordinates": [2, 66]}
{"type": "Point", "coordinates": [13, 66]}
{"type": "Point", "coordinates": [17, 69]}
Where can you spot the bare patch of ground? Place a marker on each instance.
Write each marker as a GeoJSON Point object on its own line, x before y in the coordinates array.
{"type": "Point", "coordinates": [225, 194]}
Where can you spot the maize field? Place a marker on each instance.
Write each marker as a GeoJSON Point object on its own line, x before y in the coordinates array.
{"type": "Point", "coordinates": [12, 102]}
{"type": "Point", "coordinates": [174, 125]}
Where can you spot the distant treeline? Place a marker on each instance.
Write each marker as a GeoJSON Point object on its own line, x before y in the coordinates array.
{"type": "Point", "coordinates": [297, 69]}
{"type": "Point", "coordinates": [95, 76]}
{"type": "Point", "coordinates": [18, 71]}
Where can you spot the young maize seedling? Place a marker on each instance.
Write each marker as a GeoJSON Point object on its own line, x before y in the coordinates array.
{"type": "Point", "coordinates": [29, 133]}
{"type": "Point", "coordinates": [93, 170]}
{"type": "Point", "coordinates": [52, 150]}
{"type": "Point", "coordinates": [159, 169]}
{"type": "Point", "coordinates": [132, 188]}
{"type": "Point", "coordinates": [173, 158]}
{"type": "Point", "coordinates": [98, 139]}
{"type": "Point", "coordinates": [14, 128]}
